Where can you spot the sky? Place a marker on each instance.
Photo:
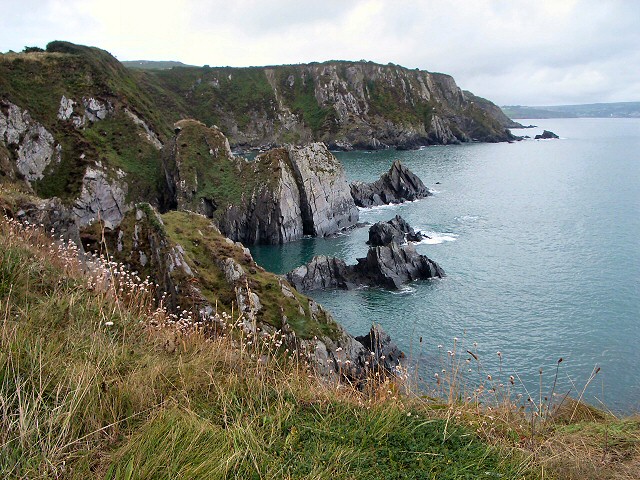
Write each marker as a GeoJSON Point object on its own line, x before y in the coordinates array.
{"type": "Point", "coordinates": [513, 52]}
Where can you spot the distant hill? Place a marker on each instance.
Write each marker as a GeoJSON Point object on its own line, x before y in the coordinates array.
{"type": "Point", "coordinates": [153, 65]}
{"type": "Point", "coordinates": [591, 110]}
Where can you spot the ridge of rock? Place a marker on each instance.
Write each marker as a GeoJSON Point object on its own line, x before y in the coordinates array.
{"type": "Point", "coordinates": [388, 265]}
{"type": "Point", "coordinates": [397, 185]}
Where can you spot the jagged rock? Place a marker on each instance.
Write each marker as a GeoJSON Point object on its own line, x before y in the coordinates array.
{"type": "Point", "coordinates": [35, 147]}
{"type": "Point", "coordinates": [272, 213]}
{"type": "Point", "coordinates": [386, 353]}
{"type": "Point", "coordinates": [396, 230]}
{"type": "Point", "coordinates": [54, 216]}
{"type": "Point", "coordinates": [398, 185]}
{"type": "Point", "coordinates": [95, 110]}
{"type": "Point", "coordinates": [101, 197]}
{"type": "Point", "coordinates": [388, 266]}
{"type": "Point", "coordinates": [325, 201]}
{"type": "Point", "coordinates": [279, 197]}
{"type": "Point", "coordinates": [391, 266]}
{"type": "Point", "coordinates": [321, 273]}
{"type": "Point", "coordinates": [546, 135]}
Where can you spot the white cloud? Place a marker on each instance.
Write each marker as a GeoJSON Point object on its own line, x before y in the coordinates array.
{"type": "Point", "coordinates": [510, 51]}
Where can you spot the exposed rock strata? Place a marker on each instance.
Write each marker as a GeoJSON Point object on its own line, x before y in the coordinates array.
{"type": "Point", "coordinates": [398, 185]}
{"type": "Point", "coordinates": [101, 198]}
{"type": "Point", "coordinates": [325, 202]}
{"type": "Point", "coordinates": [279, 197]}
{"type": "Point", "coordinates": [346, 105]}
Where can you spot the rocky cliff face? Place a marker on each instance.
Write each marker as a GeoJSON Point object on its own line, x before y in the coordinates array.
{"type": "Point", "coordinates": [344, 104]}
{"type": "Point", "coordinates": [282, 195]}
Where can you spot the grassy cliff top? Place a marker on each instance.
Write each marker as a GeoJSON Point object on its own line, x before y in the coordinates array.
{"type": "Point", "coordinates": [95, 382]}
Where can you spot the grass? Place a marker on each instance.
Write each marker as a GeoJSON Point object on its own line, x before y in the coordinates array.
{"type": "Point", "coordinates": [96, 382]}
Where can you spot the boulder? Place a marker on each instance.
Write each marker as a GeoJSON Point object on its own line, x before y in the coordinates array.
{"type": "Point", "coordinates": [398, 185]}
{"type": "Point", "coordinates": [396, 230]}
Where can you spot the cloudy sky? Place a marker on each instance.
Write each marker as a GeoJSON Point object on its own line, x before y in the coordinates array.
{"type": "Point", "coordinates": [528, 52]}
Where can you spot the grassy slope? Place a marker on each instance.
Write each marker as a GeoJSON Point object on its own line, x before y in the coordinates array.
{"type": "Point", "coordinates": [37, 81]}
{"type": "Point", "coordinates": [82, 398]}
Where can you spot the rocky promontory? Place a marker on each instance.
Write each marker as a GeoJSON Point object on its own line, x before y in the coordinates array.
{"type": "Point", "coordinates": [398, 185]}
{"type": "Point", "coordinates": [279, 197]}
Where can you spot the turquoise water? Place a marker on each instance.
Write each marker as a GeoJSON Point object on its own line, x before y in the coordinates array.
{"type": "Point", "coordinates": [540, 241]}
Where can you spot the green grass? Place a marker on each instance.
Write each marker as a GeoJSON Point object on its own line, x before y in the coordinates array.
{"type": "Point", "coordinates": [84, 398]}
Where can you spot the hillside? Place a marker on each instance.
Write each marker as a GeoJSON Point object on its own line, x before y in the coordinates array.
{"type": "Point", "coordinates": [592, 110]}
{"type": "Point", "coordinates": [344, 104]}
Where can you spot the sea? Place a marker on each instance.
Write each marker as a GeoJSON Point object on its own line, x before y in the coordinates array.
{"type": "Point", "coordinates": [540, 242]}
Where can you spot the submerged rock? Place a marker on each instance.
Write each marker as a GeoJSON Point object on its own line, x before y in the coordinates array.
{"type": "Point", "coordinates": [396, 230]}
{"type": "Point", "coordinates": [398, 185]}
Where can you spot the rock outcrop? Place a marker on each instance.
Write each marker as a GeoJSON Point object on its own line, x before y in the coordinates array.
{"type": "Point", "coordinates": [101, 198]}
{"type": "Point", "coordinates": [387, 355]}
{"type": "Point", "coordinates": [398, 185]}
{"type": "Point", "coordinates": [325, 201]}
{"type": "Point", "coordinates": [34, 146]}
{"type": "Point", "coordinates": [396, 230]}
{"type": "Point", "coordinates": [279, 197]}
{"type": "Point", "coordinates": [387, 266]}
{"type": "Point", "coordinates": [547, 134]}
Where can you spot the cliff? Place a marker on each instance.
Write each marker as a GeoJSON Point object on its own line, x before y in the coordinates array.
{"type": "Point", "coordinates": [346, 105]}
{"type": "Point", "coordinates": [280, 196]}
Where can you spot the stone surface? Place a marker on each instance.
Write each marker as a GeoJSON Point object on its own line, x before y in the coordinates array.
{"type": "Point", "coordinates": [280, 196]}
{"type": "Point", "coordinates": [325, 201]}
{"type": "Point", "coordinates": [386, 353]}
{"type": "Point", "coordinates": [355, 105]}
{"type": "Point", "coordinates": [391, 266]}
{"type": "Point", "coordinates": [398, 185]}
{"type": "Point", "coordinates": [396, 230]}
{"type": "Point", "coordinates": [101, 198]}
{"type": "Point", "coordinates": [34, 147]}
